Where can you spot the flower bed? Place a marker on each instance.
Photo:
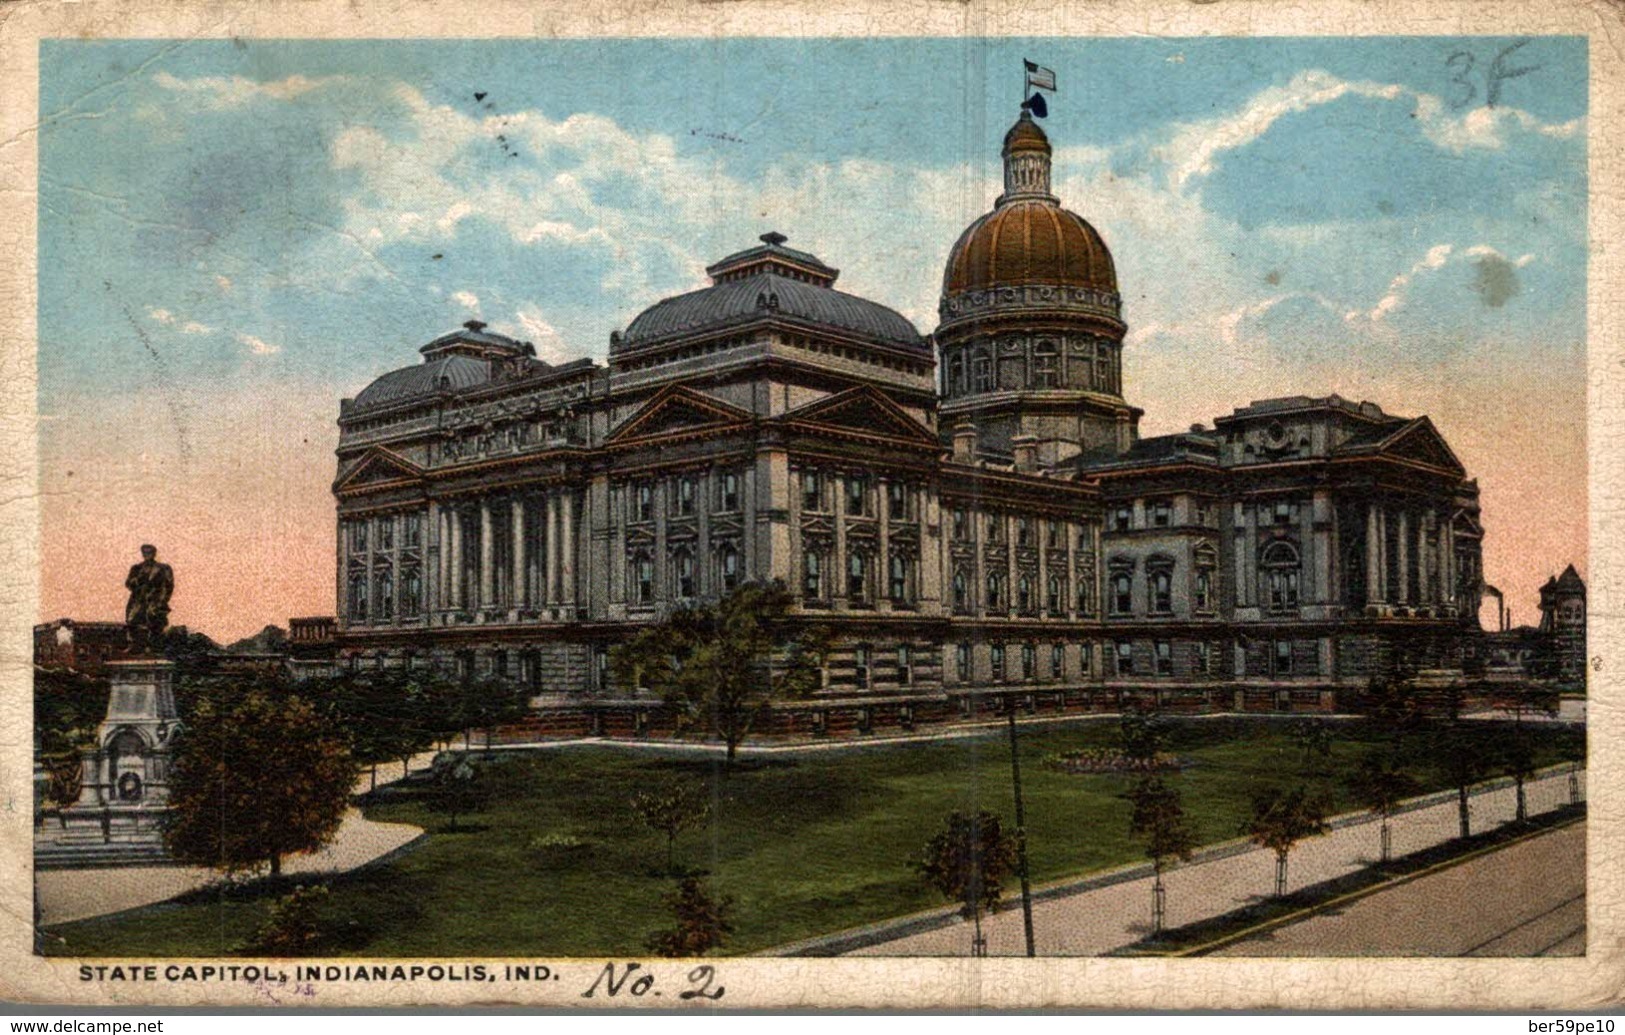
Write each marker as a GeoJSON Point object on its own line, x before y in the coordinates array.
{"type": "Point", "coordinates": [1111, 760]}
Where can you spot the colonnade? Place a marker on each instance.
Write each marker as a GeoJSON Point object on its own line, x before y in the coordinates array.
{"type": "Point", "coordinates": [1397, 541]}
{"type": "Point", "coordinates": [540, 557]}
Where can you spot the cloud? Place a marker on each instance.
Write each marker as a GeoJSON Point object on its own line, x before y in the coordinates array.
{"type": "Point", "coordinates": [223, 282]}
{"type": "Point", "coordinates": [467, 299]}
{"type": "Point", "coordinates": [193, 327]}
{"type": "Point", "coordinates": [258, 346]}
{"type": "Point", "coordinates": [217, 92]}
{"type": "Point", "coordinates": [1395, 297]}
{"type": "Point", "coordinates": [530, 325]}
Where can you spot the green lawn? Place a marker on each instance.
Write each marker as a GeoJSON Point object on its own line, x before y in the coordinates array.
{"type": "Point", "coordinates": [805, 844]}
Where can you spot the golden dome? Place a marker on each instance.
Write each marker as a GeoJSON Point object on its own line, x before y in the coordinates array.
{"type": "Point", "coordinates": [1029, 241]}
{"type": "Point", "coordinates": [1026, 135]}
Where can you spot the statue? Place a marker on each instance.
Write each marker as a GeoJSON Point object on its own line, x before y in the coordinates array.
{"type": "Point", "coordinates": [146, 616]}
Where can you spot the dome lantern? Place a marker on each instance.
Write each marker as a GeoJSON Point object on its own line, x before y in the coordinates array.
{"type": "Point", "coordinates": [1026, 162]}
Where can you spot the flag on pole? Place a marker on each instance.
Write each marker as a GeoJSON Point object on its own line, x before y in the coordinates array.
{"type": "Point", "coordinates": [1039, 77]}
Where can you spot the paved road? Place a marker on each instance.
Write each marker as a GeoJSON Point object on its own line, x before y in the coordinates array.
{"type": "Point", "coordinates": [1101, 919]}
{"type": "Point", "coordinates": [1537, 908]}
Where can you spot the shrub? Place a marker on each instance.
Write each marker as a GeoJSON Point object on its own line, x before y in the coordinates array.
{"type": "Point", "coordinates": [292, 928]}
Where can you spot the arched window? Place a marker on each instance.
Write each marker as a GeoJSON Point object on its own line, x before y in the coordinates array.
{"type": "Point", "coordinates": [728, 565]}
{"type": "Point", "coordinates": [384, 594]}
{"type": "Point", "coordinates": [1207, 563]}
{"type": "Point", "coordinates": [961, 591]}
{"type": "Point", "coordinates": [1280, 565]}
{"type": "Point", "coordinates": [1053, 595]}
{"type": "Point", "coordinates": [358, 597]}
{"type": "Point", "coordinates": [899, 580]}
{"type": "Point", "coordinates": [995, 591]}
{"type": "Point", "coordinates": [683, 573]}
{"type": "Point", "coordinates": [1086, 593]}
{"type": "Point", "coordinates": [643, 579]}
{"type": "Point", "coordinates": [1161, 586]}
{"type": "Point", "coordinates": [1024, 594]}
{"type": "Point", "coordinates": [1122, 593]}
{"type": "Point", "coordinates": [857, 575]}
{"type": "Point", "coordinates": [411, 591]}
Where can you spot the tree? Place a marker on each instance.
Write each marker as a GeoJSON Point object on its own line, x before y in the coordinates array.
{"type": "Point", "coordinates": [1392, 705]}
{"type": "Point", "coordinates": [1380, 785]}
{"type": "Point", "coordinates": [1143, 734]}
{"type": "Point", "coordinates": [458, 787]}
{"type": "Point", "coordinates": [1281, 819]}
{"type": "Point", "coordinates": [1517, 759]}
{"type": "Point", "coordinates": [721, 667]}
{"type": "Point", "coordinates": [1313, 738]}
{"type": "Point", "coordinates": [671, 809]}
{"type": "Point", "coordinates": [1464, 762]}
{"type": "Point", "coordinates": [703, 921]}
{"type": "Point", "coordinates": [489, 703]}
{"type": "Point", "coordinates": [255, 779]}
{"type": "Point", "coordinates": [1159, 818]}
{"type": "Point", "coordinates": [968, 861]}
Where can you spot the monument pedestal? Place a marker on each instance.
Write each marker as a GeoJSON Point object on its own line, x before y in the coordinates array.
{"type": "Point", "coordinates": [124, 784]}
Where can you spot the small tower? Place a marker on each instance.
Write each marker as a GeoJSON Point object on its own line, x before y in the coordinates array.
{"type": "Point", "coordinates": [1563, 620]}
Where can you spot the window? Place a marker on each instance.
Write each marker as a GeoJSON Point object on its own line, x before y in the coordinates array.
{"type": "Point", "coordinates": [1204, 590]}
{"type": "Point", "coordinates": [1202, 513]}
{"type": "Point", "coordinates": [961, 524]}
{"type": "Point", "coordinates": [683, 565]}
{"type": "Point", "coordinates": [812, 491]}
{"type": "Point", "coordinates": [643, 502]}
{"type": "Point", "coordinates": [995, 591]}
{"type": "Point", "coordinates": [1280, 564]}
{"type": "Point", "coordinates": [499, 664]}
{"type": "Point", "coordinates": [1202, 658]}
{"type": "Point", "coordinates": [997, 661]}
{"type": "Point", "coordinates": [1085, 659]}
{"type": "Point", "coordinates": [857, 494]}
{"type": "Point", "coordinates": [600, 668]}
{"type": "Point", "coordinates": [1024, 532]}
{"type": "Point", "coordinates": [1122, 593]}
{"type": "Point", "coordinates": [1162, 514]}
{"type": "Point", "coordinates": [956, 374]}
{"type": "Point", "coordinates": [1029, 660]}
{"type": "Point", "coordinates": [358, 597]}
{"type": "Point", "coordinates": [860, 665]}
{"type": "Point", "coordinates": [728, 491]}
{"type": "Point", "coordinates": [897, 501]}
{"type": "Point", "coordinates": [465, 664]}
{"type": "Point", "coordinates": [1283, 658]}
{"type": "Point", "coordinates": [995, 528]}
{"type": "Point", "coordinates": [386, 533]}
{"type": "Point", "coordinates": [1052, 595]}
{"type": "Point", "coordinates": [384, 594]}
{"type": "Point", "coordinates": [1281, 512]}
{"type": "Point", "coordinates": [1122, 518]}
{"type": "Point", "coordinates": [1125, 658]}
{"type": "Point", "coordinates": [981, 371]}
{"type": "Point", "coordinates": [1086, 593]}
{"type": "Point", "coordinates": [1024, 594]}
{"type": "Point", "coordinates": [962, 661]}
{"type": "Point", "coordinates": [730, 569]}
{"type": "Point", "coordinates": [643, 578]}
{"type": "Point", "coordinates": [1162, 591]}
{"type": "Point", "coordinates": [1046, 366]}
{"type": "Point", "coordinates": [683, 505]}
{"type": "Point", "coordinates": [857, 575]}
{"type": "Point", "coordinates": [905, 664]}
{"type": "Point", "coordinates": [899, 581]}
{"type": "Point", "coordinates": [412, 529]}
{"type": "Point", "coordinates": [411, 591]}
{"type": "Point", "coordinates": [812, 575]}
{"type": "Point", "coordinates": [1165, 658]}
{"type": "Point", "coordinates": [961, 591]}
{"type": "Point", "coordinates": [1057, 661]}
{"type": "Point", "coordinates": [358, 537]}
{"type": "Point", "coordinates": [1056, 535]}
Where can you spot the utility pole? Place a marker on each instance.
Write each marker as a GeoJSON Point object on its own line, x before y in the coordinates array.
{"type": "Point", "coordinates": [1021, 834]}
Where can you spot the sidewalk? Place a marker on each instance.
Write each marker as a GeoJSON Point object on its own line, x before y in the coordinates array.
{"type": "Point", "coordinates": [1107, 914]}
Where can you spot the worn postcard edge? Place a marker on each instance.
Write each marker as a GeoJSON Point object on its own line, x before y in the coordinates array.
{"type": "Point", "coordinates": [1595, 980]}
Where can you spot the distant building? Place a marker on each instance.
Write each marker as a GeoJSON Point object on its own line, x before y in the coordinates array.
{"type": "Point", "coordinates": [312, 646]}
{"type": "Point", "coordinates": [80, 646]}
{"type": "Point", "coordinates": [1563, 620]}
{"type": "Point", "coordinates": [975, 512]}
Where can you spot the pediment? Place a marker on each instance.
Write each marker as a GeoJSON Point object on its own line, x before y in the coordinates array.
{"type": "Point", "coordinates": [378, 467]}
{"type": "Point", "coordinates": [678, 410]}
{"type": "Point", "coordinates": [1420, 442]}
{"type": "Point", "coordinates": [864, 410]}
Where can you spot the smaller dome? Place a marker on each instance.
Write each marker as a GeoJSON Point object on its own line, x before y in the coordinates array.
{"type": "Point", "coordinates": [443, 373]}
{"type": "Point", "coordinates": [1026, 135]}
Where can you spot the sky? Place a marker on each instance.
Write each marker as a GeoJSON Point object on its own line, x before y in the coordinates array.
{"type": "Point", "coordinates": [235, 234]}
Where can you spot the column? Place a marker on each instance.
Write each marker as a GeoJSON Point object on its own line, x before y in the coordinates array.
{"type": "Point", "coordinates": [838, 587]}
{"type": "Point", "coordinates": [486, 572]}
{"type": "Point", "coordinates": [1447, 560]}
{"type": "Point", "coordinates": [882, 553]}
{"type": "Point", "coordinates": [458, 575]}
{"type": "Point", "coordinates": [1402, 546]}
{"type": "Point", "coordinates": [1373, 556]}
{"type": "Point", "coordinates": [1041, 537]}
{"type": "Point", "coordinates": [567, 544]}
{"type": "Point", "coordinates": [1423, 595]}
{"type": "Point", "coordinates": [550, 582]}
{"type": "Point", "coordinates": [516, 594]}
{"type": "Point", "coordinates": [1009, 568]}
{"type": "Point", "coordinates": [1385, 563]}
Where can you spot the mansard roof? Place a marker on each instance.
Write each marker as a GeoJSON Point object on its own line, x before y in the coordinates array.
{"type": "Point", "coordinates": [444, 373]}
{"type": "Point", "coordinates": [1184, 447]}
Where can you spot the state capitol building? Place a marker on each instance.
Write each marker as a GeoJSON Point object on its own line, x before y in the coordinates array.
{"type": "Point", "coordinates": [974, 511]}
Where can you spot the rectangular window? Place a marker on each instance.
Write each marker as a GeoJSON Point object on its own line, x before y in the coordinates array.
{"type": "Point", "coordinates": [857, 576]}
{"type": "Point", "coordinates": [1056, 535]}
{"type": "Point", "coordinates": [1165, 658]}
{"type": "Point", "coordinates": [860, 663]}
{"type": "Point", "coordinates": [1024, 532]}
{"type": "Point", "coordinates": [1122, 518]}
{"type": "Point", "coordinates": [412, 529]}
{"type": "Point", "coordinates": [730, 569]}
{"type": "Point", "coordinates": [857, 495]}
{"type": "Point", "coordinates": [961, 524]}
{"type": "Point", "coordinates": [386, 533]}
{"type": "Point", "coordinates": [1086, 660]}
{"type": "Point", "coordinates": [644, 574]}
{"type": "Point", "coordinates": [684, 503]}
{"type": "Point", "coordinates": [812, 492]}
{"type": "Point", "coordinates": [899, 581]}
{"type": "Point", "coordinates": [995, 528]}
{"type": "Point", "coordinates": [905, 664]}
{"type": "Point", "coordinates": [812, 575]}
{"type": "Point", "coordinates": [1162, 514]}
{"type": "Point", "coordinates": [1125, 658]}
{"type": "Point", "coordinates": [1029, 661]}
{"type": "Point", "coordinates": [962, 661]}
{"type": "Point", "coordinates": [1162, 592]}
{"type": "Point", "coordinates": [997, 661]}
{"type": "Point", "coordinates": [1122, 593]}
{"type": "Point", "coordinates": [1057, 661]}
{"type": "Point", "coordinates": [728, 495]}
{"type": "Point", "coordinates": [1203, 513]}
{"type": "Point", "coordinates": [1202, 657]}
{"type": "Point", "coordinates": [1204, 590]}
{"type": "Point", "coordinates": [499, 664]}
{"type": "Point", "coordinates": [358, 537]}
{"type": "Point", "coordinates": [600, 669]}
{"type": "Point", "coordinates": [643, 502]}
{"type": "Point", "coordinates": [896, 501]}
{"type": "Point", "coordinates": [1283, 657]}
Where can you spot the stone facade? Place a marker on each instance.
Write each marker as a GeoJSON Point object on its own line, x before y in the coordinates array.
{"type": "Point", "coordinates": [1005, 530]}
